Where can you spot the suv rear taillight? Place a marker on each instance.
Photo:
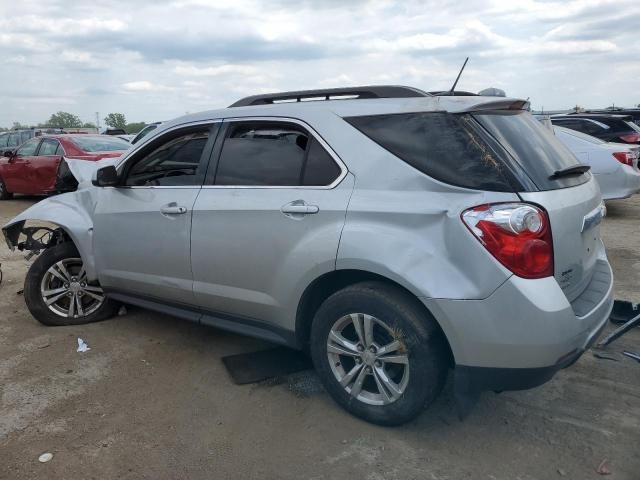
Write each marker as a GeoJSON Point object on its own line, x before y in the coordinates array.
{"type": "Point", "coordinates": [631, 137]}
{"type": "Point", "coordinates": [626, 158]}
{"type": "Point", "coordinates": [518, 235]}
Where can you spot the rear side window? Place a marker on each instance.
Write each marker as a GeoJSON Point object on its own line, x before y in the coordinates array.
{"type": "Point", "coordinates": [319, 169]}
{"type": "Point", "coordinates": [274, 154]}
{"type": "Point", "coordinates": [447, 147]}
{"type": "Point", "coordinates": [3, 140]}
{"type": "Point", "coordinates": [538, 152]}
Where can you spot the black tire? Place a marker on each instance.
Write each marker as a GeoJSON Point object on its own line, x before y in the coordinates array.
{"type": "Point", "coordinates": [422, 342]}
{"type": "Point", "coordinates": [35, 302]}
{"type": "Point", "coordinates": [4, 194]}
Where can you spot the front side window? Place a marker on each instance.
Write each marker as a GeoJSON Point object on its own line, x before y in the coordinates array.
{"type": "Point", "coordinates": [173, 163]}
{"type": "Point", "coordinates": [48, 147]}
{"type": "Point", "coordinates": [274, 154]}
{"type": "Point", "coordinates": [29, 148]}
{"type": "Point", "coordinates": [3, 140]}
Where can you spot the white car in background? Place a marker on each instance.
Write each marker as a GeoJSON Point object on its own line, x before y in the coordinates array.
{"type": "Point", "coordinates": [614, 165]}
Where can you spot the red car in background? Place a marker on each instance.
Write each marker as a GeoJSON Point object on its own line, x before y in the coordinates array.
{"type": "Point", "coordinates": [34, 167]}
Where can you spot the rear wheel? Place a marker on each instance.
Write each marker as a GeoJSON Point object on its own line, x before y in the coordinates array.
{"type": "Point", "coordinates": [4, 194]}
{"type": "Point", "coordinates": [378, 352]}
{"type": "Point", "coordinates": [57, 291]}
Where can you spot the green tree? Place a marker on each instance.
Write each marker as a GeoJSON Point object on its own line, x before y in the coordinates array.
{"type": "Point", "coordinates": [88, 125]}
{"type": "Point", "coordinates": [134, 127]}
{"type": "Point", "coordinates": [116, 120]}
{"type": "Point", "coordinates": [18, 125]}
{"type": "Point", "coordinates": [64, 120]}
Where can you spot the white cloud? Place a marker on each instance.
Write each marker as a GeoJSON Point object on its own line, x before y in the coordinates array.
{"type": "Point", "coordinates": [145, 86]}
{"type": "Point", "coordinates": [155, 60]}
{"type": "Point", "coordinates": [194, 71]}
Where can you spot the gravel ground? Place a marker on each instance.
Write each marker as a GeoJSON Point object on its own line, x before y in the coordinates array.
{"type": "Point", "coordinates": [151, 399]}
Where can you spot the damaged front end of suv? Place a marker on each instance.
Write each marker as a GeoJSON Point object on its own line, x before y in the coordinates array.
{"type": "Point", "coordinates": [60, 218]}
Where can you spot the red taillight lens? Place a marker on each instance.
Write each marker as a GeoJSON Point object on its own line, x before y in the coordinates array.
{"type": "Point", "coordinates": [518, 235]}
{"type": "Point", "coordinates": [631, 138]}
{"type": "Point", "coordinates": [624, 157]}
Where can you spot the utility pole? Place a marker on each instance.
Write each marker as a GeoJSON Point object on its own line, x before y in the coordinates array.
{"type": "Point", "coordinates": [98, 121]}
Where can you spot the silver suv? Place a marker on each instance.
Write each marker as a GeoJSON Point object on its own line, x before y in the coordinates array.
{"type": "Point", "coordinates": [392, 234]}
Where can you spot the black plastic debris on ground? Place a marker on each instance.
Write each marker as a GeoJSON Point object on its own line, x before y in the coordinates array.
{"type": "Point", "coordinates": [255, 367]}
{"type": "Point", "coordinates": [623, 311]}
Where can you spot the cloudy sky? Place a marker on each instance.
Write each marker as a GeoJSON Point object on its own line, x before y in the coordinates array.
{"type": "Point", "coordinates": [154, 59]}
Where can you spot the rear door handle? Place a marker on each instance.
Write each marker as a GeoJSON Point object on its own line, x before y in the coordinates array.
{"type": "Point", "coordinates": [173, 210]}
{"type": "Point", "coordinates": [299, 207]}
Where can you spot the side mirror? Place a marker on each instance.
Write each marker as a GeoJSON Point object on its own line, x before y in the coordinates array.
{"type": "Point", "coordinates": [105, 177]}
{"type": "Point", "coordinates": [7, 153]}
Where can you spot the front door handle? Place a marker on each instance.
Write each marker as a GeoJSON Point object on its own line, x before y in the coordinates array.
{"type": "Point", "coordinates": [299, 207]}
{"type": "Point", "coordinates": [173, 210]}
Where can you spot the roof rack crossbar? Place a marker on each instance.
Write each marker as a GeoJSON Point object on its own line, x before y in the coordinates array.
{"type": "Point", "coordinates": [378, 91]}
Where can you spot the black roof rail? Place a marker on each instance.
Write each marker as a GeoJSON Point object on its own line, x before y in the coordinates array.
{"type": "Point", "coordinates": [376, 91]}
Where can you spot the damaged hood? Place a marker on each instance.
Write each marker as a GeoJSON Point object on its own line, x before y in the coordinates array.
{"type": "Point", "coordinates": [83, 170]}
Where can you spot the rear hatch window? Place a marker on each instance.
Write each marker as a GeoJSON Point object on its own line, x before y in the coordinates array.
{"type": "Point", "coordinates": [506, 151]}
{"type": "Point", "coordinates": [534, 148]}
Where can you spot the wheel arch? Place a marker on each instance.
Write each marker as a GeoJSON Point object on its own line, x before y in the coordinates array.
{"type": "Point", "coordinates": [68, 216]}
{"type": "Point", "coordinates": [329, 283]}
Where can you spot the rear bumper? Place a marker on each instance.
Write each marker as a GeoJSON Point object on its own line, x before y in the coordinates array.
{"type": "Point", "coordinates": [525, 326]}
{"type": "Point", "coordinates": [622, 183]}
{"type": "Point", "coordinates": [480, 379]}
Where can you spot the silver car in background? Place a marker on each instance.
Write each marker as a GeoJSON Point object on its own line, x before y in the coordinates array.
{"type": "Point", "coordinates": [614, 165]}
{"type": "Point", "coordinates": [390, 233]}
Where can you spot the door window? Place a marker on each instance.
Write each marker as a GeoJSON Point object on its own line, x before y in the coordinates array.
{"type": "Point", "coordinates": [29, 148]}
{"type": "Point", "coordinates": [48, 147]}
{"type": "Point", "coordinates": [175, 162]}
{"type": "Point", "coordinates": [273, 154]}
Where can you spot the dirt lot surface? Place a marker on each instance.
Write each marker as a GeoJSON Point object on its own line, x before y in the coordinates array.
{"type": "Point", "coordinates": [151, 399]}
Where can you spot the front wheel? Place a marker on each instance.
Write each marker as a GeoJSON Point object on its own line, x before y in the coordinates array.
{"type": "Point", "coordinates": [378, 352]}
{"type": "Point", "coordinates": [57, 291]}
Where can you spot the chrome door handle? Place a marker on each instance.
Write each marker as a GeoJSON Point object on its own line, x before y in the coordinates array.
{"type": "Point", "coordinates": [299, 208]}
{"type": "Point", "coordinates": [173, 210]}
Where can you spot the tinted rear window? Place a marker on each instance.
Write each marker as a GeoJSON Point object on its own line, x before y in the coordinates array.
{"type": "Point", "coordinates": [447, 147]}
{"type": "Point", "coordinates": [100, 143]}
{"type": "Point", "coordinates": [533, 147]}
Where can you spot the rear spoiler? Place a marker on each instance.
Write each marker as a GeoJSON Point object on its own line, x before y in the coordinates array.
{"type": "Point", "coordinates": [498, 104]}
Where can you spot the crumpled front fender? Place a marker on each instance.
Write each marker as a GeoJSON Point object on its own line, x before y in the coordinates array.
{"type": "Point", "coordinates": [70, 211]}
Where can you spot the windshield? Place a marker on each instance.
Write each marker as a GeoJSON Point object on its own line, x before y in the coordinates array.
{"type": "Point", "coordinates": [533, 147]}
{"type": "Point", "coordinates": [101, 143]}
{"type": "Point", "coordinates": [144, 132]}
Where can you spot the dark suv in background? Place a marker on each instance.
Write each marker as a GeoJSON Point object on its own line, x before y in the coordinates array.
{"type": "Point", "coordinates": [607, 127]}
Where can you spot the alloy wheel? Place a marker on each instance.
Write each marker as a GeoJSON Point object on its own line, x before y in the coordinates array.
{"type": "Point", "coordinates": [66, 291]}
{"type": "Point", "coordinates": [368, 358]}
